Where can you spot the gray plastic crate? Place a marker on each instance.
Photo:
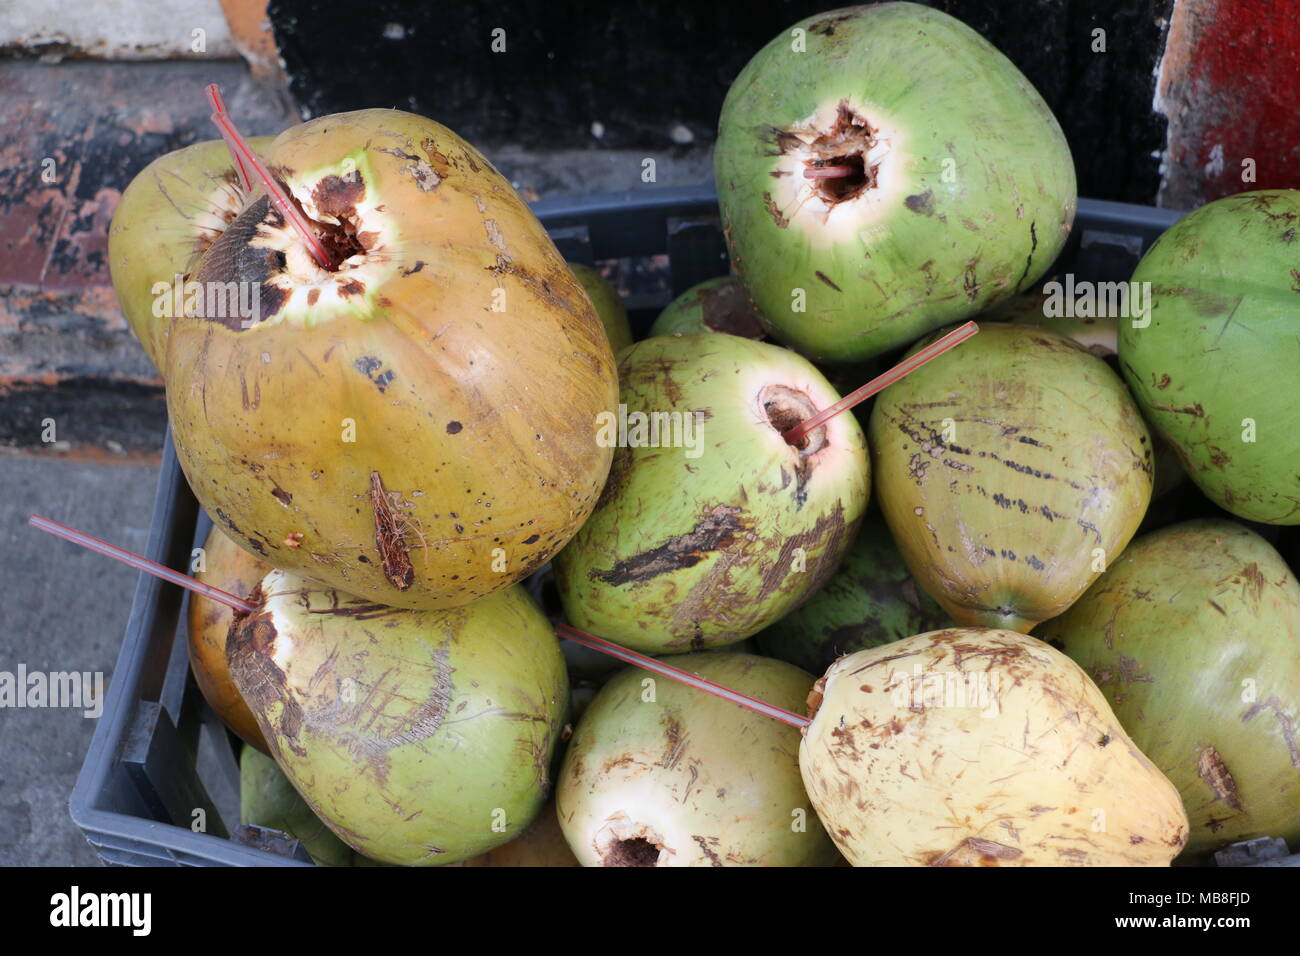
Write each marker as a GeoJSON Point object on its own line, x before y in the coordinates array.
{"type": "Point", "coordinates": [159, 754]}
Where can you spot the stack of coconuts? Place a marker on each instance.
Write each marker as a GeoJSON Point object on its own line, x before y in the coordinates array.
{"type": "Point", "coordinates": [390, 442]}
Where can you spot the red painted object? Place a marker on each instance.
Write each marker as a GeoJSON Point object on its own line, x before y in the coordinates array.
{"type": "Point", "coordinates": [1228, 85]}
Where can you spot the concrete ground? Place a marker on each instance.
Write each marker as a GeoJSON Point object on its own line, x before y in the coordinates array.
{"type": "Point", "coordinates": [67, 610]}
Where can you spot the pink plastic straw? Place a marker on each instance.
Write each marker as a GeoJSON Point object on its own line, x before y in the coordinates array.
{"type": "Point", "coordinates": [142, 564]}
{"type": "Point", "coordinates": [681, 676]}
{"type": "Point", "coordinates": [219, 109]}
{"type": "Point", "coordinates": [587, 640]}
{"type": "Point", "coordinates": [908, 365]}
{"type": "Point", "coordinates": [828, 172]}
{"type": "Point", "coordinates": [278, 197]}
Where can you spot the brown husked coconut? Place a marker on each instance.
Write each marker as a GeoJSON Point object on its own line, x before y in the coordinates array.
{"type": "Point", "coordinates": [980, 747]}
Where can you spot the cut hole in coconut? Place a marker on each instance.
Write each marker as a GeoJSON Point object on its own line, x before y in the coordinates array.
{"type": "Point", "coordinates": [636, 851]}
{"type": "Point", "coordinates": [838, 166]}
{"type": "Point", "coordinates": [787, 407]}
{"type": "Point", "coordinates": [850, 177]}
{"type": "Point", "coordinates": [341, 240]}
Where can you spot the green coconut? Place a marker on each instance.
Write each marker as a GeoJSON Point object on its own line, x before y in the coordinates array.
{"type": "Point", "coordinates": [267, 799]}
{"type": "Point", "coordinates": [708, 532]}
{"type": "Point", "coordinates": [871, 600]}
{"type": "Point", "coordinates": [959, 189]}
{"type": "Point", "coordinates": [1011, 471]}
{"type": "Point", "coordinates": [609, 306]}
{"type": "Point", "coordinates": [714, 305]}
{"type": "Point", "coordinates": [661, 774]}
{"type": "Point", "coordinates": [168, 216]}
{"type": "Point", "coordinates": [1098, 334]}
{"type": "Point", "coordinates": [419, 737]}
{"type": "Point", "coordinates": [1193, 635]}
{"type": "Point", "coordinates": [1215, 370]}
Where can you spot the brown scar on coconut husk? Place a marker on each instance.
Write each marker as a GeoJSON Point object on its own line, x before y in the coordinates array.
{"type": "Point", "coordinates": [1211, 769]}
{"type": "Point", "coordinates": [390, 538]}
{"type": "Point", "coordinates": [715, 530]}
{"type": "Point", "coordinates": [249, 654]}
{"type": "Point", "coordinates": [829, 528]}
{"type": "Point", "coordinates": [815, 697]}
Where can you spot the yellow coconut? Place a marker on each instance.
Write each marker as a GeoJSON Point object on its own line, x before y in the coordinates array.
{"type": "Point", "coordinates": [417, 425]}
{"type": "Point", "coordinates": [978, 747]}
{"type": "Point", "coordinates": [230, 568]}
{"type": "Point", "coordinates": [1011, 471]}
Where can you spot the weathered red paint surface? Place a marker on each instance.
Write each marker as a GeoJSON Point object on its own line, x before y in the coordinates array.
{"type": "Point", "coordinates": [72, 136]}
{"type": "Point", "coordinates": [1229, 82]}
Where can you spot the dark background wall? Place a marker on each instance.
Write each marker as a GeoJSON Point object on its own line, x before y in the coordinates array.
{"type": "Point", "coordinates": [643, 71]}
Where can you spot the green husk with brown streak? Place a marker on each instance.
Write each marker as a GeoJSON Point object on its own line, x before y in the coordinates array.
{"type": "Point", "coordinates": [714, 305]}
{"type": "Point", "coordinates": [1193, 635]}
{"type": "Point", "coordinates": [419, 737]}
{"type": "Point", "coordinates": [1215, 370]}
{"type": "Point", "coordinates": [701, 546]}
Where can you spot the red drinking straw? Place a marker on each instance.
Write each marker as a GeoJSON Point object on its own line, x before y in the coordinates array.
{"type": "Point", "coordinates": [241, 150]}
{"type": "Point", "coordinates": [829, 172]}
{"type": "Point", "coordinates": [142, 564]}
{"type": "Point", "coordinates": [908, 365]}
{"type": "Point", "coordinates": [595, 643]}
{"type": "Point", "coordinates": [219, 109]}
{"type": "Point", "coordinates": [681, 676]}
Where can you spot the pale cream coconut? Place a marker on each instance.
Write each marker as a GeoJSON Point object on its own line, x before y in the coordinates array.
{"type": "Point", "coordinates": [980, 747]}
{"type": "Point", "coordinates": [661, 774]}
